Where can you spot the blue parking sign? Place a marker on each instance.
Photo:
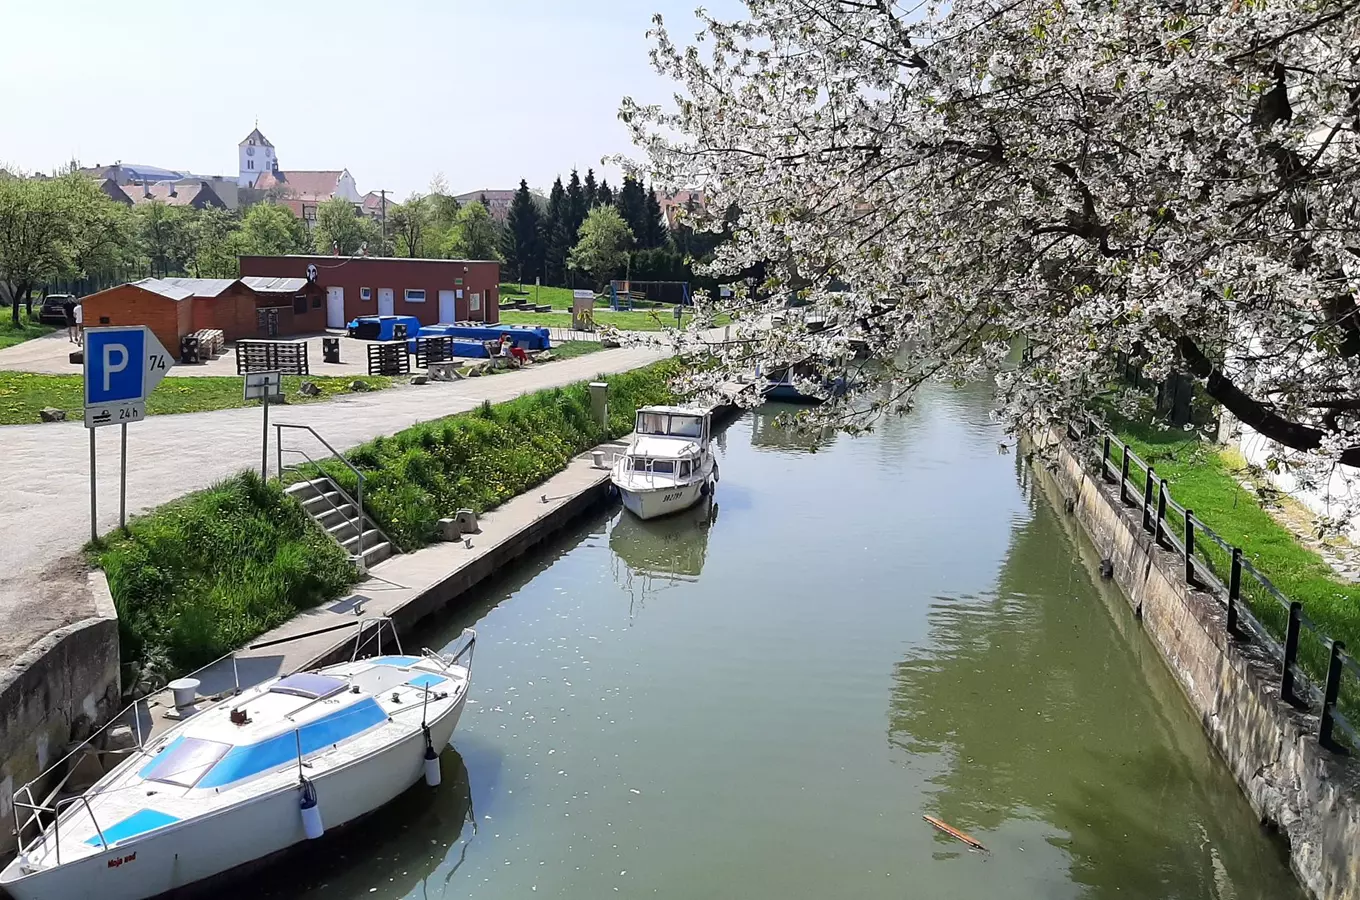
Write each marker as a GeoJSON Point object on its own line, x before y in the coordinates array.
{"type": "Point", "coordinates": [115, 362]}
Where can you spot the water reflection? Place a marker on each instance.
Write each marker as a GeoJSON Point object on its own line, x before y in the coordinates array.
{"type": "Point", "coordinates": [769, 432]}
{"type": "Point", "coordinates": [412, 847]}
{"type": "Point", "coordinates": [655, 555]}
{"type": "Point", "coordinates": [1000, 695]}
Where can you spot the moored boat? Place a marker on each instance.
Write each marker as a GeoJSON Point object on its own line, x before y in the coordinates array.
{"type": "Point", "coordinates": [250, 776]}
{"type": "Point", "coordinates": [669, 465]}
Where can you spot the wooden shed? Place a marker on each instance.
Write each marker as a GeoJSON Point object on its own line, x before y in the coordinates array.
{"type": "Point", "coordinates": [285, 306]}
{"type": "Point", "coordinates": [166, 308]}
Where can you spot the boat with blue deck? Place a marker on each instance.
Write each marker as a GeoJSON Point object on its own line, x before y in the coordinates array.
{"type": "Point", "coordinates": [258, 772]}
{"type": "Point", "coordinates": [801, 383]}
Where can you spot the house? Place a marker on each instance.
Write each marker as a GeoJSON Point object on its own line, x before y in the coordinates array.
{"type": "Point", "coordinates": [239, 307]}
{"type": "Point", "coordinates": [673, 202]}
{"type": "Point", "coordinates": [303, 191]}
{"type": "Point", "coordinates": [375, 205]}
{"type": "Point", "coordinates": [432, 290]}
{"type": "Point", "coordinates": [195, 194]}
{"type": "Point", "coordinates": [497, 202]}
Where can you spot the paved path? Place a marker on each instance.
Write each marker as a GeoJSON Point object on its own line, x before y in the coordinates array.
{"type": "Point", "coordinates": [44, 481]}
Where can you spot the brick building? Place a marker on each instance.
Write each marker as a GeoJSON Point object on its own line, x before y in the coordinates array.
{"type": "Point", "coordinates": [432, 290]}
{"type": "Point", "coordinates": [238, 307]}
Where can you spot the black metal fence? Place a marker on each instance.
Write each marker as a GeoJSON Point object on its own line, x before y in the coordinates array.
{"type": "Point", "coordinates": [1316, 672]}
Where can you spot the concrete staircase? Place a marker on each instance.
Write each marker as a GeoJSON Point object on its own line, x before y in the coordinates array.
{"type": "Point", "coordinates": [336, 513]}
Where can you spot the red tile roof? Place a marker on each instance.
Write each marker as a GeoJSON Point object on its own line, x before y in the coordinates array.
{"type": "Point", "coordinates": [197, 195]}
{"type": "Point", "coordinates": [301, 185]}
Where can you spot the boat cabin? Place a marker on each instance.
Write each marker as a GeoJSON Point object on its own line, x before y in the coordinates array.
{"type": "Point", "coordinates": [670, 441]}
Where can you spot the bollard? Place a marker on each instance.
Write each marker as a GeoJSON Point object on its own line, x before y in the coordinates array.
{"type": "Point", "coordinates": [599, 403]}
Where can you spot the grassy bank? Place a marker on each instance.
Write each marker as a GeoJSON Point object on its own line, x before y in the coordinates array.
{"type": "Point", "coordinates": [213, 570]}
{"type": "Point", "coordinates": [480, 459]}
{"type": "Point", "coordinates": [199, 576]}
{"type": "Point", "coordinates": [571, 349]}
{"type": "Point", "coordinates": [26, 331]}
{"type": "Point", "coordinates": [22, 394]}
{"type": "Point", "coordinates": [1202, 478]}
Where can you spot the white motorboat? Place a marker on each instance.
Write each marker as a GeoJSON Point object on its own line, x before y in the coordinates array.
{"type": "Point", "coordinates": [669, 465]}
{"type": "Point", "coordinates": [260, 771]}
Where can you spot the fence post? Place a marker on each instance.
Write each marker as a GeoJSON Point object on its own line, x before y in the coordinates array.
{"type": "Point", "coordinates": [1190, 549]}
{"type": "Point", "coordinates": [1124, 476]}
{"type": "Point", "coordinates": [1329, 697]}
{"type": "Point", "coordinates": [1234, 591]}
{"type": "Point", "coordinates": [1161, 512]}
{"type": "Point", "coordinates": [1147, 498]}
{"type": "Point", "coordinates": [1105, 459]}
{"type": "Point", "coordinates": [1291, 655]}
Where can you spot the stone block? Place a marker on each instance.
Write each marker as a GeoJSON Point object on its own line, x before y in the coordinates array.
{"type": "Point", "coordinates": [309, 388]}
{"type": "Point", "coordinates": [420, 379]}
{"type": "Point", "coordinates": [467, 521]}
{"type": "Point", "coordinates": [449, 530]}
{"type": "Point", "coordinates": [358, 386]}
{"type": "Point", "coordinates": [52, 414]}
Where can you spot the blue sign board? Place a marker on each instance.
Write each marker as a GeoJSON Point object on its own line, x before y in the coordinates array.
{"type": "Point", "coordinates": [115, 363]}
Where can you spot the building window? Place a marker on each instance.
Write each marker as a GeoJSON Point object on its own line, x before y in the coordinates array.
{"type": "Point", "coordinates": [250, 151]}
{"type": "Point", "coordinates": [300, 304]}
{"type": "Point", "coordinates": [415, 295]}
{"type": "Point", "coordinates": [474, 302]}
{"type": "Point", "coordinates": [365, 293]}
{"type": "Point", "coordinates": [316, 301]}
{"type": "Point", "coordinates": [250, 164]}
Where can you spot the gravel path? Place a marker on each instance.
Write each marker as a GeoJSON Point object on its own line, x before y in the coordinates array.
{"type": "Point", "coordinates": [44, 482]}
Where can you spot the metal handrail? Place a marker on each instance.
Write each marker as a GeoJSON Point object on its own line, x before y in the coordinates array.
{"type": "Point", "coordinates": [1296, 684]}
{"type": "Point", "coordinates": [354, 655]}
{"type": "Point", "coordinates": [357, 501]}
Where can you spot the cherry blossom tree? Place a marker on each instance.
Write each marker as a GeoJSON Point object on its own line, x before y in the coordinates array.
{"type": "Point", "coordinates": [1029, 189]}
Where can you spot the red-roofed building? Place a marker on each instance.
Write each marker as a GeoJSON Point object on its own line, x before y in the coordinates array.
{"type": "Point", "coordinates": [673, 202]}
{"type": "Point", "coordinates": [197, 195]}
{"type": "Point", "coordinates": [303, 191]}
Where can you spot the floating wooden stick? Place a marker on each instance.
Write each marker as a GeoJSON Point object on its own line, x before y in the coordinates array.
{"type": "Point", "coordinates": [955, 833]}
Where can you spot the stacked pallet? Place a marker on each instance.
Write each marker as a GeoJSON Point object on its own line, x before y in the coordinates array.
{"type": "Point", "coordinates": [211, 343]}
{"type": "Point", "coordinates": [288, 357]}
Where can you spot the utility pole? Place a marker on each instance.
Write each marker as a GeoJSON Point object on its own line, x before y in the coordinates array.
{"type": "Point", "coordinates": [383, 194]}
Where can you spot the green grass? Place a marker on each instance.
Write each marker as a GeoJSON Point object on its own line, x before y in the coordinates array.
{"type": "Point", "coordinates": [27, 330]}
{"type": "Point", "coordinates": [571, 349]}
{"type": "Point", "coordinates": [207, 573]}
{"type": "Point", "coordinates": [637, 320]}
{"type": "Point", "coordinates": [22, 394]}
{"type": "Point", "coordinates": [1201, 478]}
{"type": "Point", "coordinates": [560, 298]}
{"type": "Point", "coordinates": [481, 459]}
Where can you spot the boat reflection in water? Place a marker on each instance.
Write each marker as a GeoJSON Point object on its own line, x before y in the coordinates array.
{"type": "Point", "coordinates": [413, 846]}
{"type": "Point", "coordinates": [769, 432]}
{"type": "Point", "coordinates": [652, 555]}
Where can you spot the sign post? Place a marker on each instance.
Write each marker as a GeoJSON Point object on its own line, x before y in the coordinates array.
{"type": "Point", "coordinates": [263, 386]}
{"type": "Point", "coordinates": [123, 364]}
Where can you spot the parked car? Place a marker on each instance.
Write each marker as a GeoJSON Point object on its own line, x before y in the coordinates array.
{"type": "Point", "coordinates": [53, 309]}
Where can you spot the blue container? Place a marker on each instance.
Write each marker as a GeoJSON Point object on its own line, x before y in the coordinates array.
{"type": "Point", "coordinates": [364, 327]}
{"type": "Point", "coordinates": [523, 337]}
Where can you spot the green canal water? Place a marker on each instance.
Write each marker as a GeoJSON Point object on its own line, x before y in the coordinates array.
{"type": "Point", "coordinates": [869, 630]}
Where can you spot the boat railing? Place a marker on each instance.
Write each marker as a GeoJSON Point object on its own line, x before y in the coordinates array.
{"type": "Point", "coordinates": [359, 643]}
{"type": "Point", "coordinates": [55, 810]}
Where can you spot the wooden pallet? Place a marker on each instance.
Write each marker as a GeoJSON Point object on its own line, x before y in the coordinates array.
{"type": "Point", "coordinates": [388, 358]}
{"type": "Point", "coordinates": [211, 343]}
{"type": "Point", "coordinates": [288, 357]}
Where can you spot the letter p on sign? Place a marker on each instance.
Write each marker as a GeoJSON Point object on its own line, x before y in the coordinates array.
{"type": "Point", "coordinates": [111, 368]}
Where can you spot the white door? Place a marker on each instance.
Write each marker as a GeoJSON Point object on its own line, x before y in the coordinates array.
{"type": "Point", "coordinates": [448, 313]}
{"type": "Point", "coordinates": [385, 307]}
{"type": "Point", "coordinates": [335, 307]}
{"type": "Point", "coordinates": [475, 307]}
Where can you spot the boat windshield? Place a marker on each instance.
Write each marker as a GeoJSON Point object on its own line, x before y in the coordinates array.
{"type": "Point", "coordinates": [668, 424]}
{"type": "Point", "coordinates": [661, 466]}
{"type": "Point", "coordinates": [185, 761]}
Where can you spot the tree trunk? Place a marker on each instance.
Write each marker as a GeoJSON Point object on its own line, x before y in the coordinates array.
{"type": "Point", "coordinates": [1252, 412]}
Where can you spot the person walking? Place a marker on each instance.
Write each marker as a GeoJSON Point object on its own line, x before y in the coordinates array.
{"type": "Point", "coordinates": [79, 314]}
{"type": "Point", "coordinates": [68, 308]}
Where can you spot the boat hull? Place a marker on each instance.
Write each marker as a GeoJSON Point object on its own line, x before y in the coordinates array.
{"type": "Point", "coordinates": [201, 848]}
{"type": "Point", "coordinates": [652, 503]}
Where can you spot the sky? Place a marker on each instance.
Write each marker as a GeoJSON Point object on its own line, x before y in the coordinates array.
{"type": "Point", "coordinates": [485, 92]}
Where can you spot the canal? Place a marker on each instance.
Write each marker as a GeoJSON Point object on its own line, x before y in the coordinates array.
{"type": "Point", "coordinates": [766, 701]}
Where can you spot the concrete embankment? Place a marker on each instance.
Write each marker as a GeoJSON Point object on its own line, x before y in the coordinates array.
{"type": "Point", "coordinates": [59, 690]}
{"type": "Point", "coordinates": [1309, 793]}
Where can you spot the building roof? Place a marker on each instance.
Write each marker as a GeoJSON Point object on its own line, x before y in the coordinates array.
{"type": "Point", "coordinates": [261, 284]}
{"type": "Point", "coordinates": [193, 194]}
{"type": "Point", "coordinates": [258, 137]}
{"type": "Point", "coordinates": [164, 288]}
{"type": "Point", "coordinates": [201, 287]}
{"type": "Point", "coordinates": [491, 196]}
{"type": "Point", "coordinates": [672, 203]}
{"type": "Point", "coordinates": [300, 184]}
{"type": "Point", "coordinates": [373, 202]}
{"type": "Point", "coordinates": [395, 259]}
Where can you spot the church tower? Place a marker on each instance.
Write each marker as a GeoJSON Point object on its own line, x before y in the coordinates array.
{"type": "Point", "coordinates": [256, 156]}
